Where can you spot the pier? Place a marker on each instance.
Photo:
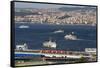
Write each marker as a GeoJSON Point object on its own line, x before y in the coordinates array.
{"type": "Point", "coordinates": [24, 56]}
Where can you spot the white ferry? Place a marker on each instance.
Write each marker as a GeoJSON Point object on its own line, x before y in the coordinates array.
{"type": "Point", "coordinates": [70, 36]}
{"type": "Point", "coordinates": [49, 44]}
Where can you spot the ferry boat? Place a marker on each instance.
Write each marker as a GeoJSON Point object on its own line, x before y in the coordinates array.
{"type": "Point", "coordinates": [49, 44]}
{"type": "Point", "coordinates": [22, 52]}
{"type": "Point", "coordinates": [22, 47]}
{"type": "Point", "coordinates": [70, 36]}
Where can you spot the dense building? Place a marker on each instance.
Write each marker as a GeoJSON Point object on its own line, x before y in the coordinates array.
{"type": "Point", "coordinates": [55, 16]}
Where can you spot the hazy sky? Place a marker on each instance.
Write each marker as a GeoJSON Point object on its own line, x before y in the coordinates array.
{"type": "Point", "coordinates": [39, 5]}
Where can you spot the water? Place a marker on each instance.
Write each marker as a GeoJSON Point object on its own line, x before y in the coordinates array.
{"type": "Point", "coordinates": [36, 34]}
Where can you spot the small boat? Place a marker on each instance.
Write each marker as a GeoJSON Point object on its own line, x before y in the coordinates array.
{"type": "Point", "coordinates": [70, 36]}
{"type": "Point", "coordinates": [23, 26]}
{"type": "Point", "coordinates": [59, 31]}
{"type": "Point", "coordinates": [49, 44]}
{"type": "Point", "coordinates": [22, 47]}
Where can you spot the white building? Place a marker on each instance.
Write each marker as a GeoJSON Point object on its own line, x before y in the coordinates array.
{"type": "Point", "coordinates": [90, 50]}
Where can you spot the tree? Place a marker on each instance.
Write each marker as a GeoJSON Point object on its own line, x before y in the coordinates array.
{"type": "Point", "coordinates": [82, 60]}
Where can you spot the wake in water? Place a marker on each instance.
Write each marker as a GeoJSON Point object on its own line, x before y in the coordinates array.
{"type": "Point", "coordinates": [80, 39]}
{"type": "Point", "coordinates": [85, 40]}
{"type": "Point", "coordinates": [23, 26]}
{"type": "Point", "coordinates": [59, 31]}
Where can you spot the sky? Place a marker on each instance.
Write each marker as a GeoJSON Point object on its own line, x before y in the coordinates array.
{"type": "Point", "coordinates": [39, 5]}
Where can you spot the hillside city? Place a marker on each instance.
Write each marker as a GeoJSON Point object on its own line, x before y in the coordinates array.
{"type": "Point", "coordinates": [55, 16]}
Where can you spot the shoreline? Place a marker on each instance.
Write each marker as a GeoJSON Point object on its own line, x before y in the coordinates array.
{"type": "Point", "coordinates": [55, 24]}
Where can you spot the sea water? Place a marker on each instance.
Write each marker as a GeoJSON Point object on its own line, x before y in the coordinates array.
{"type": "Point", "coordinates": [36, 34]}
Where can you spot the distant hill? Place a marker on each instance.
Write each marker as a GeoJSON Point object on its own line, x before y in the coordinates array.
{"type": "Point", "coordinates": [77, 8]}
{"type": "Point", "coordinates": [24, 11]}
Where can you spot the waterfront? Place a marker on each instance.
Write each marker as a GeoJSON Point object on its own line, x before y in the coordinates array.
{"type": "Point", "coordinates": [41, 57]}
